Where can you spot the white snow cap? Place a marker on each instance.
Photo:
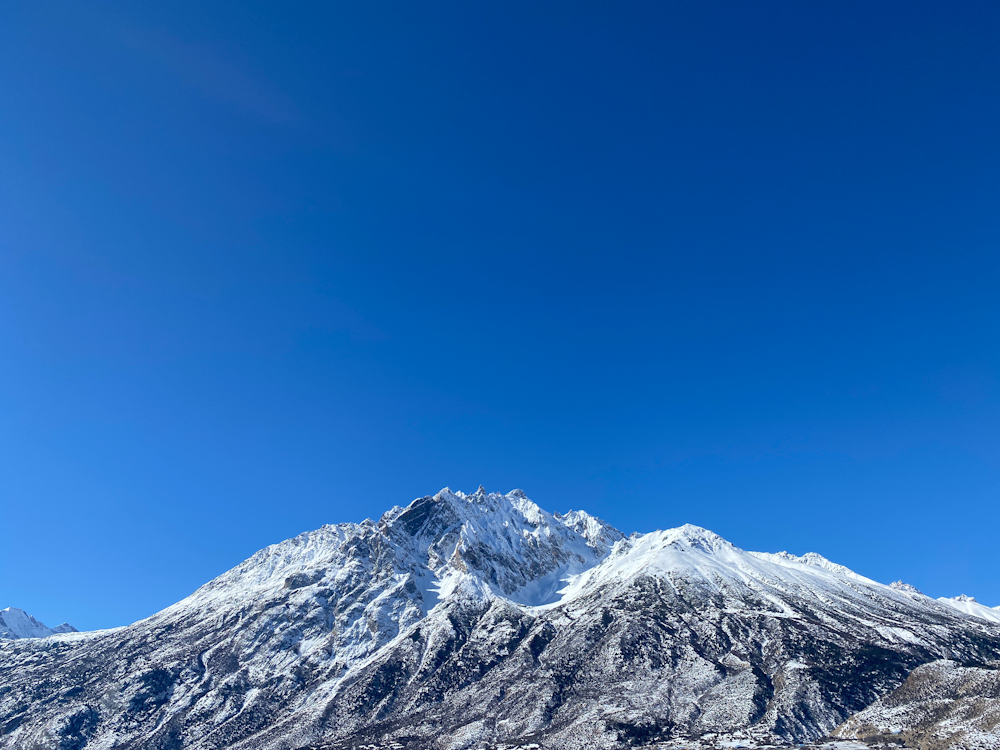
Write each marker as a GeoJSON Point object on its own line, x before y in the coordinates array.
{"type": "Point", "coordinates": [970, 606]}
{"type": "Point", "coordinates": [489, 545]}
{"type": "Point", "coordinates": [16, 623]}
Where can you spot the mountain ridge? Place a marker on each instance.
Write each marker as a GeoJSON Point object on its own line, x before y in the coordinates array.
{"type": "Point", "coordinates": [16, 623]}
{"type": "Point", "coordinates": [463, 621]}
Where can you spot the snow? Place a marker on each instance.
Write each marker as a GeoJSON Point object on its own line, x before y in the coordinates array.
{"type": "Point", "coordinates": [16, 623]}
{"type": "Point", "coordinates": [954, 705]}
{"type": "Point", "coordinates": [690, 556]}
{"type": "Point", "coordinates": [968, 605]}
{"type": "Point", "coordinates": [504, 546]}
{"type": "Point", "coordinates": [811, 558]}
{"type": "Point", "coordinates": [339, 599]}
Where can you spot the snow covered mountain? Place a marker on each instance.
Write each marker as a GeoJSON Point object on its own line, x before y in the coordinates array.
{"type": "Point", "coordinates": [970, 606]}
{"type": "Point", "coordinates": [476, 620]}
{"type": "Point", "coordinates": [16, 623]}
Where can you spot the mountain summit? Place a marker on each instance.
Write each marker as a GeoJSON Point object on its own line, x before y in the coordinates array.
{"type": "Point", "coordinates": [16, 623]}
{"type": "Point", "coordinates": [475, 620]}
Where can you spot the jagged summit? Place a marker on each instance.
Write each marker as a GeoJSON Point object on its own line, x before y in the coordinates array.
{"type": "Point", "coordinates": [464, 621]}
{"type": "Point", "coordinates": [903, 586]}
{"type": "Point", "coordinates": [513, 548]}
{"type": "Point", "coordinates": [697, 538]}
{"type": "Point", "coordinates": [16, 623]}
{"type": "Point", "coordinates": [599, 534]}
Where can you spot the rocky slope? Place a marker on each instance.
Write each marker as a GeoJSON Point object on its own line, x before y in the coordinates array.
{"type": "Point", "coordinates": [944, 704]}
{"type": "Point", "coordinates": [466, 621]}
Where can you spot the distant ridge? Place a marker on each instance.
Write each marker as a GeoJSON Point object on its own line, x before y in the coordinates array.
{"type": "Point", "coordinates": [16, 623]}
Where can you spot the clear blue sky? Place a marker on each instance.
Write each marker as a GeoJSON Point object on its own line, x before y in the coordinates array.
{"type": "Point", "coordinates": [265, 266]}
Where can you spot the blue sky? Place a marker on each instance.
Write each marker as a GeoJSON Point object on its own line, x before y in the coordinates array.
{"type": "Point", "coordinates": [269, 266]}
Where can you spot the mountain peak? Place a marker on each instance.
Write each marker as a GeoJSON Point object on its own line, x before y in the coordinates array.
{"type": "Point", "coordinates": [970, 606]}
{"type": "Point", "coordinates": [505, 542]}
{"type": "Point", "coordinates": [600, 535]}
{"type": "Point", "coordinates": [16, 623]}
{"type": "Point", "coordinates": [698, 538]}
{"type": "Point", "coordinates": [358, 632]}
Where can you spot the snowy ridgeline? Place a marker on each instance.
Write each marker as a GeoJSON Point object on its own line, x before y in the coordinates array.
{"type": "Point", "coordinates": [16, 623]}
{"type": "Point", "coordinates": [480, 620]}
{"type": "Point", "coordinates": [505, 546]}
{"type": "Point", "coordinates": [970, 606]}
{"type": "Point", "coordinates": [492, 546]}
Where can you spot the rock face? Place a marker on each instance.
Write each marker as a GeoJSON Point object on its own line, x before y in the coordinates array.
{"type": "Point", "coordinates": [16, 623]}
{"type": "Point", "coordinates": [467, 621]}
{"type": "Point", "coordinates": [941, 704]}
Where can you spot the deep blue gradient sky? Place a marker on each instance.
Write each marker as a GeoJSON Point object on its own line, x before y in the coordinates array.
{"type": "Point", "coordinates": [269, 266]}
